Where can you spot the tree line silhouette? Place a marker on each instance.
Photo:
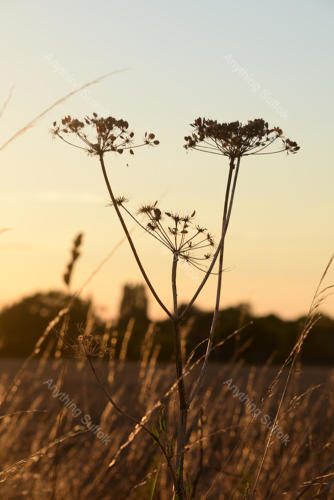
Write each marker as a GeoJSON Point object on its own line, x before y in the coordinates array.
{"type": "Point", "coordinates": [260, 338]}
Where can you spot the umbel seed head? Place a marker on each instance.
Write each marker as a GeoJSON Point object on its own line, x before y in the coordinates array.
{"type": "Point", "coordinates": [236, 140]}
{"type": "Point", "coordinates": [178, 233]}
{"type": "Point", "coordinates": [97, 135]}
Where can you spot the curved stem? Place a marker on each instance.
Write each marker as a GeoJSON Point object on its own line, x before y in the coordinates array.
{"type": "Point", "coordinates": [133, 419]}
{"type": "Point", "coordinates": [127, 234]}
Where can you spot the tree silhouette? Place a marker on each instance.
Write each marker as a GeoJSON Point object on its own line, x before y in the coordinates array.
{"type": "Point", "coordinates": [22, 323]}
{"type": "Point", "coordinates": [133, 306]}
{"type": "Point", "coordinates": [134, 302]}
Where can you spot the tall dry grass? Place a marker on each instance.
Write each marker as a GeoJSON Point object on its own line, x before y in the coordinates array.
{"type": "Point", "coordinates": [225, 445]}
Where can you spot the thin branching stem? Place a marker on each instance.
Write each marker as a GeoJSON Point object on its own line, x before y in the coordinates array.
{"type": "Point", "coordinates": [127, 234]}
{"type": "Point", "coordinates": [229, 198]}
{"type": "Point", "coordinates": [133, 419]}
{"type": "Point", "coordinates": [220, 245]}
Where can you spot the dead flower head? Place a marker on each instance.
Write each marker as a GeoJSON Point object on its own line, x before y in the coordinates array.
{"type": "Point", "coordinates": [87, 345]}
{"type": "Point", "coordinates": [235, 139]}
{"type": "Point", "coordinates": [97, 135]}
{"type": "Point", "coordinates": [179, 234]}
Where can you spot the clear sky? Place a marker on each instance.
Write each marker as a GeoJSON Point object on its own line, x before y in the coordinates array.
{"type": "Point", "coordinates": [182, 59]}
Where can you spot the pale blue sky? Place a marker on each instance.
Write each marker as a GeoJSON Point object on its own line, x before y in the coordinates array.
{"type": "Point", "coordinates": [175, 54]}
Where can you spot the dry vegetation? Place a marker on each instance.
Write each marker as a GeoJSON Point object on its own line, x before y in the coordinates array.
{"type": "Point", "coordinates": [225, 448]}
{"type": "Point", "coordinates": [171, 435]}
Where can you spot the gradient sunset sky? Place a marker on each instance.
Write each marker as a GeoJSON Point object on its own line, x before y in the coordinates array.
{"type": "Point", "coordinates": [224, 60]}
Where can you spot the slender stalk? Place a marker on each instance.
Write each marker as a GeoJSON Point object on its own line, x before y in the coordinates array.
{"type": "Point", "coordinates": [220, 245]}
{"type": "Point", "coordinates": [133, 419]}
{"type": "Point", "coordinates": [174, 286]}
{"type": "Point", "coordinates": [58, 425]}
{"type": "Point", "coordinates": [183, 406]}
{"type": "Point", "coordinates": [177, 478]}
{"type": "Point", "coordinates": [201, 455]}
{"type": "Point", "coordinates": [226, 219]}
{"type": "Point", "coordinates": [127, 234]}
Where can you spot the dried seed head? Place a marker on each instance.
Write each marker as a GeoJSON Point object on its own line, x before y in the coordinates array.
{"type": "Point", "coordinates": [235, 139]}
{"type": "Point", "coordinates": [91, 346]}
{"type": "Point", "coordinates": [183, 237]}
{"type": "Point", "coordinates": [97, 135]}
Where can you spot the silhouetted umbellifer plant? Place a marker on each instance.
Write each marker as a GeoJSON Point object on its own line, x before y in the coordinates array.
{"type": "Point", "coordinates": [178, 233]}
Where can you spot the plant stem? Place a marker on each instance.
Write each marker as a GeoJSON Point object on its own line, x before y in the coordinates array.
{"type": "Point", "coordinates": [227, 213]}
{"type": "Point", "coordinates": [183, 405]}
{"type": "Point", "coordinates": [127, 234]}
{"type": "Point", "coordinates": [228, 203]}
{"type": "Point", "coordinates": [134, 419]}
{"type": "Point", "coordinates": [174, 285]}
